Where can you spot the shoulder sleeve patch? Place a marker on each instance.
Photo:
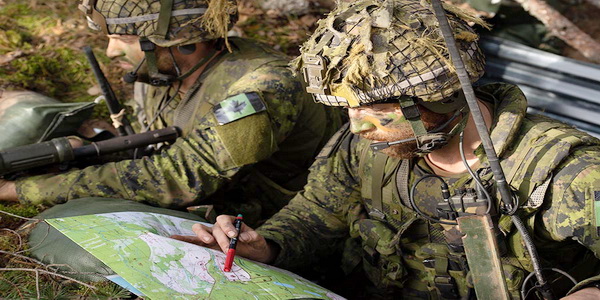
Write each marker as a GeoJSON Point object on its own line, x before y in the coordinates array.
{"type": "Point", "coordinates": [237, 107]}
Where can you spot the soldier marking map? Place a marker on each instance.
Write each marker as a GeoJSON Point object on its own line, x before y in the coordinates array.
{"type": "Point", "coordinates": [136, 245]}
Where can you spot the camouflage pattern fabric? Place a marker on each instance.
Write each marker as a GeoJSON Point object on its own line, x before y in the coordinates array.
{"type": "Point", "coordinates": [252, 165]}
{"type": "Point", "coordinates": [190, 21]}
{"type": "Point", "coordinates": [403, 255]}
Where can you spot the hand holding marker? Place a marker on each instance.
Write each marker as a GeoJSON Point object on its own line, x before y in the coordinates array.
{"type": "Point", "coordinates": [232, 244]}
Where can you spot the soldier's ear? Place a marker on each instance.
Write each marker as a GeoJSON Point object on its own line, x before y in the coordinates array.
{"type": "Point", "coordinates": [187, 49]}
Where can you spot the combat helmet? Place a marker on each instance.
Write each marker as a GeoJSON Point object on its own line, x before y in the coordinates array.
{"type": "Point", "coordinates": [164, 23]}
{"type": "Point", "coordinates": [374, 51]}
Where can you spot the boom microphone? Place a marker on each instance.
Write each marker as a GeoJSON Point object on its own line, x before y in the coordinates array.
{"type": "Point", "coordinates": [132, 76]}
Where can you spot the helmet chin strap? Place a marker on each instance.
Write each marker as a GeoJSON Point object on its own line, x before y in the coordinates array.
{"type": "Point", "coordinates": [159, 79]}
{"type": "Point", "coordinates": [155, 77]}
{"type": "Point", "coordinates": [432, 140]}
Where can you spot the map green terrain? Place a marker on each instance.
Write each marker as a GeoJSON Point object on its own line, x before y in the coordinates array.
{"type": "Point", "coordinates": [136, 245]}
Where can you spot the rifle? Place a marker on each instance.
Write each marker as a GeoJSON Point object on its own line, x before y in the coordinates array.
{"type": "Point", "coordinates": [59, 150]}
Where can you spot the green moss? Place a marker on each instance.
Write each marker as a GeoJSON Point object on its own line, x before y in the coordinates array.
{"type": "Point", "coordinates": [36, 23]}
{"type": "Point", "coordinates": [23, 210]}
{"type": "Point", "coordinates": [13, 37]}
{"type": "Point", "coordinates": [16, 8]}
{"type": "Point", "coordinates": [58, 73]}
{"type": "Point", "coordinates": [7, 243]}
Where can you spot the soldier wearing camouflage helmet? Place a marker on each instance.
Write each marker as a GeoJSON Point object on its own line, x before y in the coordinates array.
{"type": "Point", "coordinates": [377, 182]}
{"type": "Point", "coordinates": [249, 130]}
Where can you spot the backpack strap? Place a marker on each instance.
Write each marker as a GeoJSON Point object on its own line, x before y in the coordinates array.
{"type": "Point", "coordinates": [402, 176]}
{"type": "Point", "coordinates": [377, 186]}
{"type": "Point", "coordinates": [546, 144]}
{"type": "Point", "coordinates": [335, 141]}
{"type": "Point", "coordinates": [542, 149]}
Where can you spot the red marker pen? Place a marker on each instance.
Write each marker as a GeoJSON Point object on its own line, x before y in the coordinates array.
{"type": "Point", "coordinates": [232, 244]}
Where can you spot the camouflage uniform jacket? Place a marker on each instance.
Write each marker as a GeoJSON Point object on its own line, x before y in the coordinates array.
{"type": "Point", "coordinates": [404, 254]}
{"type": "Point", "coordinates": [271, 130]}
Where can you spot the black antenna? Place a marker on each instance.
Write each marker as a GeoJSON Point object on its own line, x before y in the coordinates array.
{"type": "Point", "coordinates": [114, 107]}
{"type": "Point", "coordinates": [510, 205]}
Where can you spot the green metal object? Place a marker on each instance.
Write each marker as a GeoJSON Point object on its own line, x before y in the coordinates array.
{"type": "Point", "coordinates": [28, 117]}
{"type": "Point", "coordinates": [483, 257]}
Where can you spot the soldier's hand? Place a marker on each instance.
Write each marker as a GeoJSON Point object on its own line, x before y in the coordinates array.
{"type": "Point", "coordinates": [250, 244]}
{"type": "Point", "coordinates": [75, 142]}
{"type": "Point", "coordinates": [8, 191]}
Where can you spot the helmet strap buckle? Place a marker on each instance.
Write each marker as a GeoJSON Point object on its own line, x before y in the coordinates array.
{"type": "Point", "coordinates": [314, 72]}
{"type": "Point", "coordinates": [430, 142]}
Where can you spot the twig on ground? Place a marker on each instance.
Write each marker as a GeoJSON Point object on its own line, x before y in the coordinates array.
{"type": "Point", "coordinates": [29, 226]}
{"type": "Point", "coordinates": [73, 270]}
{"type": "Point", "coordinates": [18, 217]}
{"type": "Point", "coordinates": [37, 283]}
{"type": "Point", "coordinates": [22, 257]}
{"type": "Point", "coordinates": [17, 234]}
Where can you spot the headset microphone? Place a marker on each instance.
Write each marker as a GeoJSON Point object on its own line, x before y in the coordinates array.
{"type": "Point", "coordinates": [434, 140]}
{"type": "Point", "coordinates": [378, 146]}
{"type": "Point", "coordinates": [132, 76]}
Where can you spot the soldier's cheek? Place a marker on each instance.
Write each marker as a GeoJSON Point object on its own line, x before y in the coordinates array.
{"type": "Point", "coordinates": [358, 125]}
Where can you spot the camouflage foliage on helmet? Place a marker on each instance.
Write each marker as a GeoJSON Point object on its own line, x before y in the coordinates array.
{"type": "Point", "coordinates": [190, 22]}
{"type": "Point", "coordinates": [369, 50]}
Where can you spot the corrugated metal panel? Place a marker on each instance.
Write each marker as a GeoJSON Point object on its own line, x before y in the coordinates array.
{"type": "Point", "coordinates": [559, 87]}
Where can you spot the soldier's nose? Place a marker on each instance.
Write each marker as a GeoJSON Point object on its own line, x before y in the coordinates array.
{"type": "Point", "coordinates": [113, 49]}
{"type": "Point", "coordinates": [353, 113]}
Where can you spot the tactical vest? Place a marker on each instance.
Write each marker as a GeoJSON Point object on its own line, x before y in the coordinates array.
{"type": "Point", "coordinates": [402, 251]}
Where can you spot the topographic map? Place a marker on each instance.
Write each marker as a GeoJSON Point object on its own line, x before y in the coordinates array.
{"type": "Point", "coordinates": [136, 246]}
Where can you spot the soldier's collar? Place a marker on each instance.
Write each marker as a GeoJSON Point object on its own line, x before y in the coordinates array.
{"type": "Point", "coordinates": [509, 109]}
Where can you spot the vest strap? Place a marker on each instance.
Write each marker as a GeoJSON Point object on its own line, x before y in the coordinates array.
{"type": "Point", "coordinates": [377, 186]}
{"type": "Point", "coordinates": [164, 18]}
{"type": "Point", "coordinates": [334, 142]}
{"type": "Point", "coordinates": [402, 182]}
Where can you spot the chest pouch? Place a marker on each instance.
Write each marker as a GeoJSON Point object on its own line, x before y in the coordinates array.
{"type": "Point", "coordinates": [445, 271]}
{"type": "Point", "coordinates": [381, 259]}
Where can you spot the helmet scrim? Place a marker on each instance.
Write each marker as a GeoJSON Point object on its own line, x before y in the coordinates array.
{"type": "Point", "coordinates": [374, 51]}
{"type": "Point", "coordinates": [166, 23]}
